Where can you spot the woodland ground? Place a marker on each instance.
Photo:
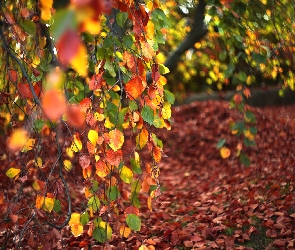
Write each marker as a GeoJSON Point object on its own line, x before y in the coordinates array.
{"type": "Point", "coordinates": [212, 203]}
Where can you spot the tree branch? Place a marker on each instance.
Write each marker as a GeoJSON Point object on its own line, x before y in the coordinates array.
{"type": "Point", "coordinates": [197, 32]}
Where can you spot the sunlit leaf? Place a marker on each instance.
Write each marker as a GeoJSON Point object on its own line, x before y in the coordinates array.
{"type": "Point", "coordinates": [116, 139]}
{"type": "Point", "coordinates": [77, 229]}
{"type": "Point", "coordinates": [101, 168]}
{"type": "Point", "coordinates": [142, 138]}
{"type": "Point", "coordinates": [45, 7]}
{"type": "Point", "coordinates": [126, 174]}
{"type": "Point", "coordinates": [17, 140]}
{"type": "Point", "coordinates": [48, 204]}
{"type": "Point", "coordinates": [68, 165]}
{"type": "Point", "coordinates": [12, 172]}
{"type": "Point", "coordinates": [135, 87]}
{"type": "Point", "coordinates": [76, 144]}
{"type": "Point", "coordinates": [29, 145]}
{"type": "Point", "coordinates": [225, 152]}
{"type": "Point", "coordinates": [75, 219]}
{"type": "Point", "coordinates": [166, 110]}
{"type": "Point", "coordinates": [92, 136]}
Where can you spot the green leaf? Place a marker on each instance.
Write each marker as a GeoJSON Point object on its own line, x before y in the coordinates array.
{"type": "Point", "coordinates": [163, 69]}
{"type": "Point", "coordinates": [38, 124]}
{"type": "Point", "coordinates": [250, 117]}
{"type": "Point", "coordinates": [63, 19]}
{"type": "Point", "coordinates": [220, 143]}
{"type": "Point", "coordinates": [29, 26]}
{"type": "Point", "coordinates": [133, 222]}
{"type": "Point", "coordinates": [121, 18]}
{"type": "Point", "coordinates": [135, 166]}
{"type": "Point", "coordinates": [57, 206]}
{"type": "Point", "coordinates": [136, 186]}
{"type": "Point", "coordinates": [113, 193]}
{"type": "Point", "coordinates": [94, 202]}
{"type": "Point", "coordinates": [134, 199]}
{"type": "Point", "coordinates": [84, 219]}
{"type": "Point", "coordinates": [147, 114]}
{"type": "Point", "coordinates": [133, 105]}
{"type": "Point", "coordinates": [128, 40]}
{"type": "Point", "coordinates": [100, 234]}
{"type": "Point", "coordinates": [244, 159]}
{"type": "Point", "coordinates": [169, 96]}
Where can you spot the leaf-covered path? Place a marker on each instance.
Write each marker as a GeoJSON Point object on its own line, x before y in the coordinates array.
{"type": "Point", "coordinates": [212, 203]}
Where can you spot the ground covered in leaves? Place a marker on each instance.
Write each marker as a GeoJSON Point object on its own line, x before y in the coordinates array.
{"type": "Point", "coordinates": [212, 203]}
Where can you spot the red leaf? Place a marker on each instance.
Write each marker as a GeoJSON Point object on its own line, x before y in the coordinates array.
{"type": "Point", "coordinates": [113, 157]}
{"type": "Point", "coordinates": [84, 161]}
{"type": "Point", "coordinates": [96, 82]}
{"type": "Point", "coordinates": [68, 45]}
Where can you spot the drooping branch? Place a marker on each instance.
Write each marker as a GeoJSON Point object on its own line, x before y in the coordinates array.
{"type": "Point", "coordinates": [197, 32]}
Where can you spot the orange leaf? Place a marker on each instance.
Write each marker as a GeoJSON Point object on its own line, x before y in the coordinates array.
{"type": "Point", "coordinates": [17, 140]}
{"type": "Point", "coordinates": [101, 168]}
{"type": "Point", "coordinates": [75, 116]}
{"type": "Point", "coordinates": [128, 58]}
{"type": "Point", "coordinates": [135, 87]}
{"type": "Point", "coordinates": [113, 157]}
{"type": "Point", "coordinates": [87, 172]}
{"type": "Point", "coordinates": [54, 104]}
{"type": "Point", "coordinates": [157, 154]}
{"type": "Point", "coordinates": [12, 74]}
{"type": "Point", "coordinates": [46, 6]}
{"type": "Point", "coordinates": [116, 139]}
{"type": "Point", "coordinates": [147, 50]}
{"type": "Point", "coordinates": [225, 152]}
{"type": "Point", "coordinates": [142, 138]}
{"type": "Point", "coordinates": [125, 231]}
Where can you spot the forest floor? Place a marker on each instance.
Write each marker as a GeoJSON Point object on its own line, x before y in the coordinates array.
{"type": "Point", "coordinates": [212, 203]}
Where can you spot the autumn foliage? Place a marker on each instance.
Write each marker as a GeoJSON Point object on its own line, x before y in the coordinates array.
{"type": "Point", "coordinates": [74, 93]}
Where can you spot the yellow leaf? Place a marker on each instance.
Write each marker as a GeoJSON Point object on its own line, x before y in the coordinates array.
{"type": "Point", "coordinates": [93, 136]}
{"type": "Point", "coordinates": [108, 123]}
{"type": "Point", "coordinates": [12, 172]}
{"type": "Point", "coordinates": [109, 229]}
{"type": "Point", "coordinates": [76, 144]}
{"type": "Point", "coordinates": [125, 231]}
{"type": "Point", "coordinates": [77, 229]}
{"type": "Point", "coordinates": [38, 162]}
{"type": "Point", "coordinates": [166, 110]}
{"type": "Point", "coordinates": [68, 165]}
{"type": "Point", "coordinates": [75, 219]}
{"type": "Point", "coordinates": [46, 6]}
{"type": "Point", "coordinates": [48, 204]}
{"type": "Point", "coordinates": [142, 138]}
{"type": "Point", "coordinates": [99, 117]}
{"type": "Point", "coordinates": [29, 145]}
{"type": "Point", "coordinates": [143, 247]}
{"type": "Point", "coordinates": [91, 26]}
{"type": "Point", "coordinates": [225, 152]}
{"type": "Point", "coordinates": [36, 186]}
{"type": "Point", "coordinates": [18, 139]}
{"type": "Point", "coordinates": [126, 174]}
{"type": "Point", "coordinates": [116, 139]}
{"type": "Point", "coordinates": [79, 62]}
{"type": "Point", "coordinates": [70, 152]}
{"type": "Point", "coordinates": [150, 30]}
